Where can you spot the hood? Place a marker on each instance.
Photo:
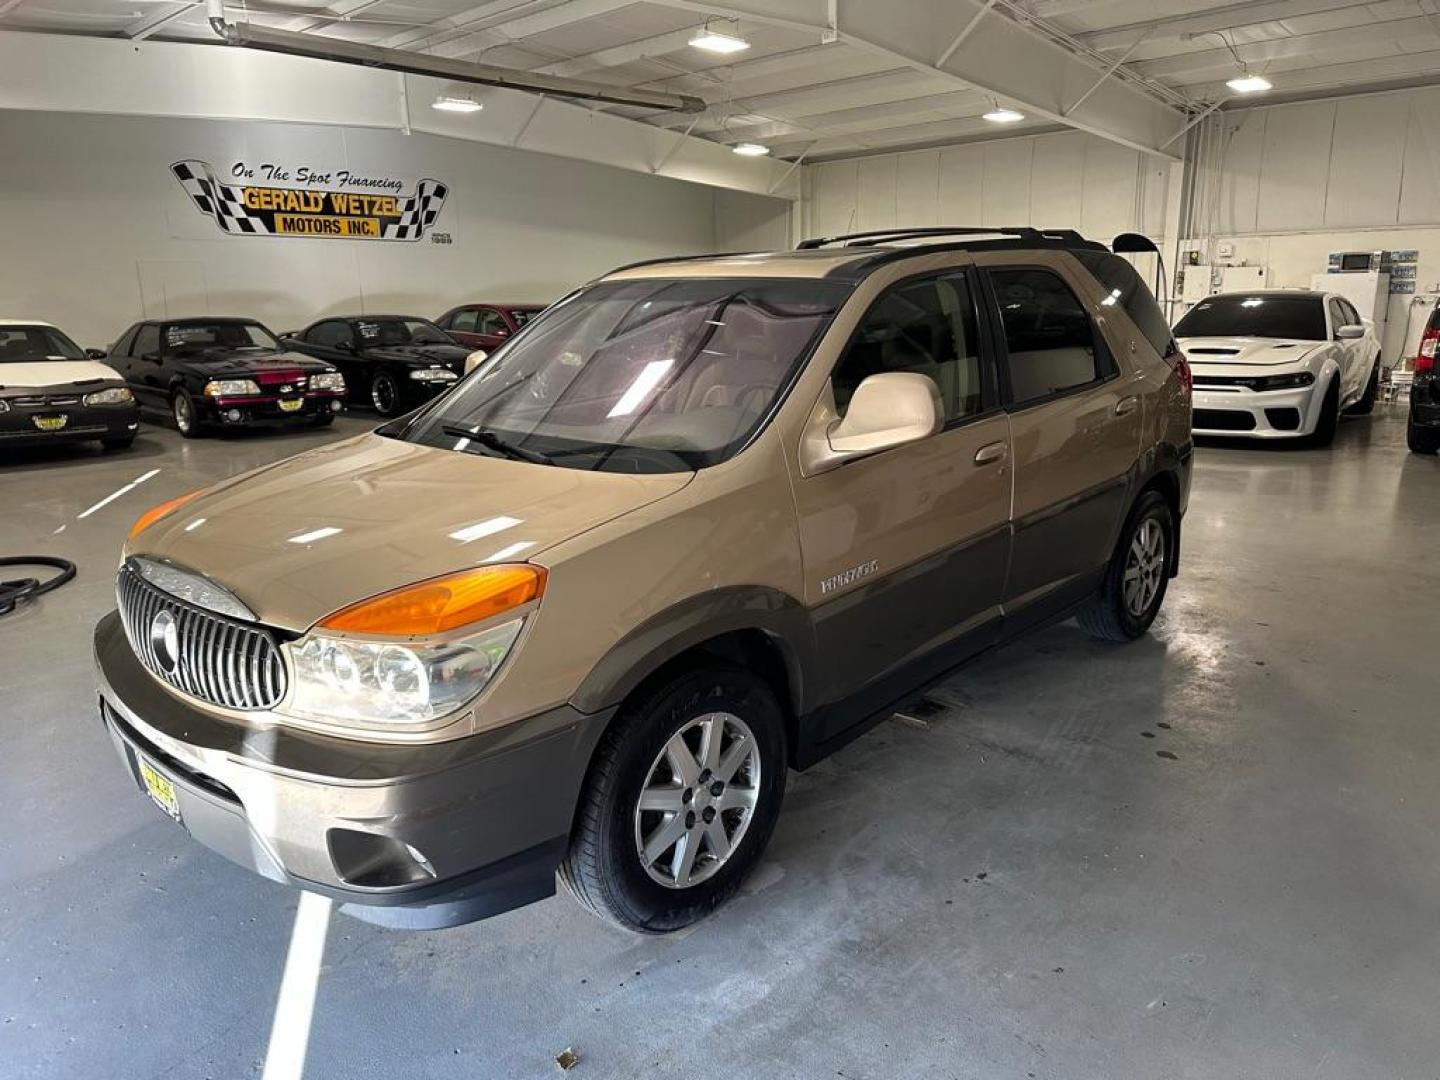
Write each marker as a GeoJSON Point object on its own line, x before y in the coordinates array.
{"type": "Point", "coordinates": [218, 361]}
{"type": "Point", "coordinates": [1245, 351]}
{"type": "Point", "coordinates": [452, 355]}
{"type": "Point", "coordinates": [302, 538]}
{"type": "Point", "coordinates": [35, 373]}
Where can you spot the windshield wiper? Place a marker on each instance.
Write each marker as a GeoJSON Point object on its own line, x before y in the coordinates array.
{"type": "Point", "coordinates": [491, 441]}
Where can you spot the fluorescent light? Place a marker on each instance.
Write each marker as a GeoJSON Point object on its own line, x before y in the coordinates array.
{"type": "Point", "coordinates": [1249, 84]}
{"type": "Point", "coordinates": [649, 377]}
{"type": "Point", "coordinates": [713, 41]}
{"type": "Point", "coordinates": [750, 149]}
{"type": "Point", "coordinates": [445, 103]}
{"type": "Point", "coordinates": [316, 534]}
{"type": "Point", "coordinates": [1003, 116]}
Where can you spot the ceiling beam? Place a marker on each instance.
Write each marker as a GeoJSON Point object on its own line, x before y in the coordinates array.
{"type": "Point", "coordinates": [7, 6]}
{"type": "Point", "coordinates": [337, 12]}
{"type": "Point", "coordinates": [482, 15]}
{"type": "Point", "coordinates": [143, 27]}
{"type": "Point", "coordinates": [629, 53]}
{"type": "Point", "coordinates": [505, 30]}
{"type": "Point", "coordinates": [1229, 17]}
{"type": "Point", "coordinates": [1018, 64]}
{"type": "Point", "coordinates": [955, 105]}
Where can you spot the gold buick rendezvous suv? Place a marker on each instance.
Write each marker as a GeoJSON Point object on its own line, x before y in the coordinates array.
{"type": "Point", "coordinates": [702, 521]}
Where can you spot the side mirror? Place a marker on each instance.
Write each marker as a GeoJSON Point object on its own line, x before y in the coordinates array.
{"type": "Point", "coordinates": [475, 359]}
{"type": "Point", "coordinates": [96, 354]}
{"type": "Point", "coordinates": [886, 410]}
{"type": "Point", "coordinates": [1350, 333]}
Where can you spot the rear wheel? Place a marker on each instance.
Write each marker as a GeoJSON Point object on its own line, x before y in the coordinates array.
{"type": "Point", "coordinates": [1324, 433]}
{"type": "Point", "coordinates": [182, 410]}
{"type": "Point", "coordinates": [1422, 440]}
{"type": "Point", "coordinates": [1366, 405]}
{"type": "Point", "coordinates": [680, 802]}
{"type": "Point", "coordinates": [385, 393]}
{"type": "Point", "coordinates": [1139, 571]}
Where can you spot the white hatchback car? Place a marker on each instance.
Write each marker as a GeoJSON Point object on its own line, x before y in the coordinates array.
{"type": "Point", "coordinates": [1279, 363]}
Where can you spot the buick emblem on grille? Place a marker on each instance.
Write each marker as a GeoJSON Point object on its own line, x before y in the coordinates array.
{"type": "Point", "coordinates": [165, 640]}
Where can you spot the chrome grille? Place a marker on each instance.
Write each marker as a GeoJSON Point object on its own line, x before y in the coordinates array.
{"type": "Point", "coordinates": [219, 660]}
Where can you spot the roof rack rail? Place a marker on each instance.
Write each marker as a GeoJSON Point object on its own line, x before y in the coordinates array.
{"type": "Point", "coordinates": [865, 239]}
{"type": "Point", "coordinates": [683, 258]}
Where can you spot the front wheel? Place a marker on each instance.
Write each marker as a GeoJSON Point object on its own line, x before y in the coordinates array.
{"type": "Point", "coordinates": [1324, 433]}
{"type": "Point", "coordinates": [680, 802]}
{"type": "Point", "coordinates": [385, 393]}
{"type": "Point", "coordinates": [182, 410]}
{"type": "Point", "coordinates": [1136, 579]}
{"type": "Point", "coordinates": [1366, 405]}
{"type": "Point", "coordinates": [1422, 440]}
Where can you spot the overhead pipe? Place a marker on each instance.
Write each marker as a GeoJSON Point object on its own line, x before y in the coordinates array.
{"type": "Point", "coordinates": [318, 47]}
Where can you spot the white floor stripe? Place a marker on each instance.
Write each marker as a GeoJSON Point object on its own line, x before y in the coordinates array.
{"type": "Point", "coordinates": [290, 1030]}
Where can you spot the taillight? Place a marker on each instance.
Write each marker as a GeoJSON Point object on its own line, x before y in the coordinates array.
{"type": "Point", "coordinates": [1425, 360]}
{"type": "Point", "coordinates": [1182, 368]}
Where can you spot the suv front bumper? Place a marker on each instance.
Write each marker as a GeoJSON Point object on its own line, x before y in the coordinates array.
{"type": "Point", "coordinates": [419, 836]}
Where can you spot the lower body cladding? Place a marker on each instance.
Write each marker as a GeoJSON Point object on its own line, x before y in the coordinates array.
{"type": "Point", "coordinates": [29, 426]}
{"type": "Point", "coordinates": [234, 411]}
{"type": "Point", "coordinates": [414, 836]}
{"type": "Point", "coordinates": [1262, 414]}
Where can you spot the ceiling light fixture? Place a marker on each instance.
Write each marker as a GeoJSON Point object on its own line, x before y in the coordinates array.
{"type": "Point", "coordinates": [750, 149]}
{"type": "Point", "coordinates": [1249, 84]}
{"type": "Point", "coordinates": [717, 42]}
{"type": "Point", "coordinates": [1001, 115]}
{"type": "Point", "coordinates": [446, 103]}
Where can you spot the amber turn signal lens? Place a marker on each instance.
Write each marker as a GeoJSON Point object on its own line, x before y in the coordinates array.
{"type": "Point", "coordinates": [155, 513]}
{"type": "Point", "coordinates": [443, 603]}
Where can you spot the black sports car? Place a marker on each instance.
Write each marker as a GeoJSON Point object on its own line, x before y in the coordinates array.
{"type": "Point", "coordinates": [209, 372]}
{"type": "Point", "coordinates": [391, 362]}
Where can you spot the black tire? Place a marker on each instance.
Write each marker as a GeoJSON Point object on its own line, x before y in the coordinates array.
{"type": "Point", "coordinates": [120, 442]}
{"type": "Point", "coordinates": [1420, 439]}
{"type": "Point", "coordinates": [604, 868]}
{"type": "Point", "coordinates": [385, 393]}
{"type": "Point", "coordinates": [1109, 616]}
{"type": "Point", "coordinates": [1366, 405]}
{"type": "Point", "coordinates": [1324, 433]}
{"type": "Point", "coordinates": [182, 412]}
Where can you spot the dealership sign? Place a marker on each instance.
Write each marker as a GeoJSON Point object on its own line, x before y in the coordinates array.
{"type": "Point", "coordinates": [269, 200]}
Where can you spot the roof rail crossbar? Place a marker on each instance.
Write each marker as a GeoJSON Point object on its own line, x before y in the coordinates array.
{"type": "Point", "coordinates": [861, 238]}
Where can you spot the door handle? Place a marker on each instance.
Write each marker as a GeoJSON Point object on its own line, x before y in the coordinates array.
{"type": "Point", "coordinates": [1126, 405]}
{"type": "Point", "coordinates": [994, 451]}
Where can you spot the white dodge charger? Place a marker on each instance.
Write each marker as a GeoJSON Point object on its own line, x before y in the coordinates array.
{"type": "Point", "coordinates": [1279, 363]}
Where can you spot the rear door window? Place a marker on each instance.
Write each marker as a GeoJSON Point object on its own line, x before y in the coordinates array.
{"type": "Point", "coordinates": [463, 321]}
{"type": "Point", "coordinates": [1049, 339]}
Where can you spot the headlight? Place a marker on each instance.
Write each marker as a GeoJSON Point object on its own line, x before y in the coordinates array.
{"type": "Point", "coordinates": [1282, 382]}
{"type": "Point", "coordinates": [115, 395]}
{"type": "Point", "coordinates": [4, 405]}
{"type": "Point", "coordinates": [475, 359]}
{"type": "Point", "coordinates": [416, 662]}
{"type": "Point", "coordinates": [328, 380]}
{"type": "Point", "coordinates": [434, 374]}
{"type": "Point", "coordinates": [392, 682]}
{"type": "Point", "coordinates": [230, 387]}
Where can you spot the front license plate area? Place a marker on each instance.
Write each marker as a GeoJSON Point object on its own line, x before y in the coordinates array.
{"type": "Point", "coordinates": [50, 423]}
{"type": "Point", "coordinates": [160, 789]}
{"type": "Point", "coordinates": [291, 404]}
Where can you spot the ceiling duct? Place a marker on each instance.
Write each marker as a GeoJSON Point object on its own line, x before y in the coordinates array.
{"type": "Point", "coordinates": [318, 47]}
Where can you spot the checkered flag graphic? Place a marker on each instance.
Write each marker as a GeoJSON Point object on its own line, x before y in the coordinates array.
{"type": "Point", "coordinates": [222, 202]}
{"type": "Point", "coordinates": [418, 212]}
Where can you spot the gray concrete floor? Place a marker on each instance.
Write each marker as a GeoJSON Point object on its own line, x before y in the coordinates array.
{"type": "Point", "coordinates": [1024, 888]}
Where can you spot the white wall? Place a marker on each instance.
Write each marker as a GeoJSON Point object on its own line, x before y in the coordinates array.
{"type": "Point", "coordinates": [98, 233]}
{"type": "Point", "coordinates": [1288, 184]}
{"type": "Point", "coordinates": [1060, 180]}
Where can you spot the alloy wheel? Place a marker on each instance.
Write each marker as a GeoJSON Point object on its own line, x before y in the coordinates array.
{"type": "Point", "coordinates": [184, 413]}
{"type": "Point", "coordinates": [1144, 567]}
{"type": "Point", "coordinates": [383, 394]}
{"type": "Point", "coordinates": [698, 800]}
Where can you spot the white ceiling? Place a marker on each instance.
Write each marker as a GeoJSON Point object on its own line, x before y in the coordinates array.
{"type": "Point", "coordinates": [800, 96]}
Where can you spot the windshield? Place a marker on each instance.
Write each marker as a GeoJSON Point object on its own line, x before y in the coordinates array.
{"type": "Point", "coordinates": [197, 336]}
{"type": "Point", "coordinates": [639, 376]}
{"type": "Point", "coordinates": [27, 344]}
{"type": "Point", "coordinates": [381, 332]}
{"type": "Point", "coordinates": [1301, 317]}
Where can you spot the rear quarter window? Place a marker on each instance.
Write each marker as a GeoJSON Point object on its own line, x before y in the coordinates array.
{"type": "Point", "coordinates": [1129, 292]}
